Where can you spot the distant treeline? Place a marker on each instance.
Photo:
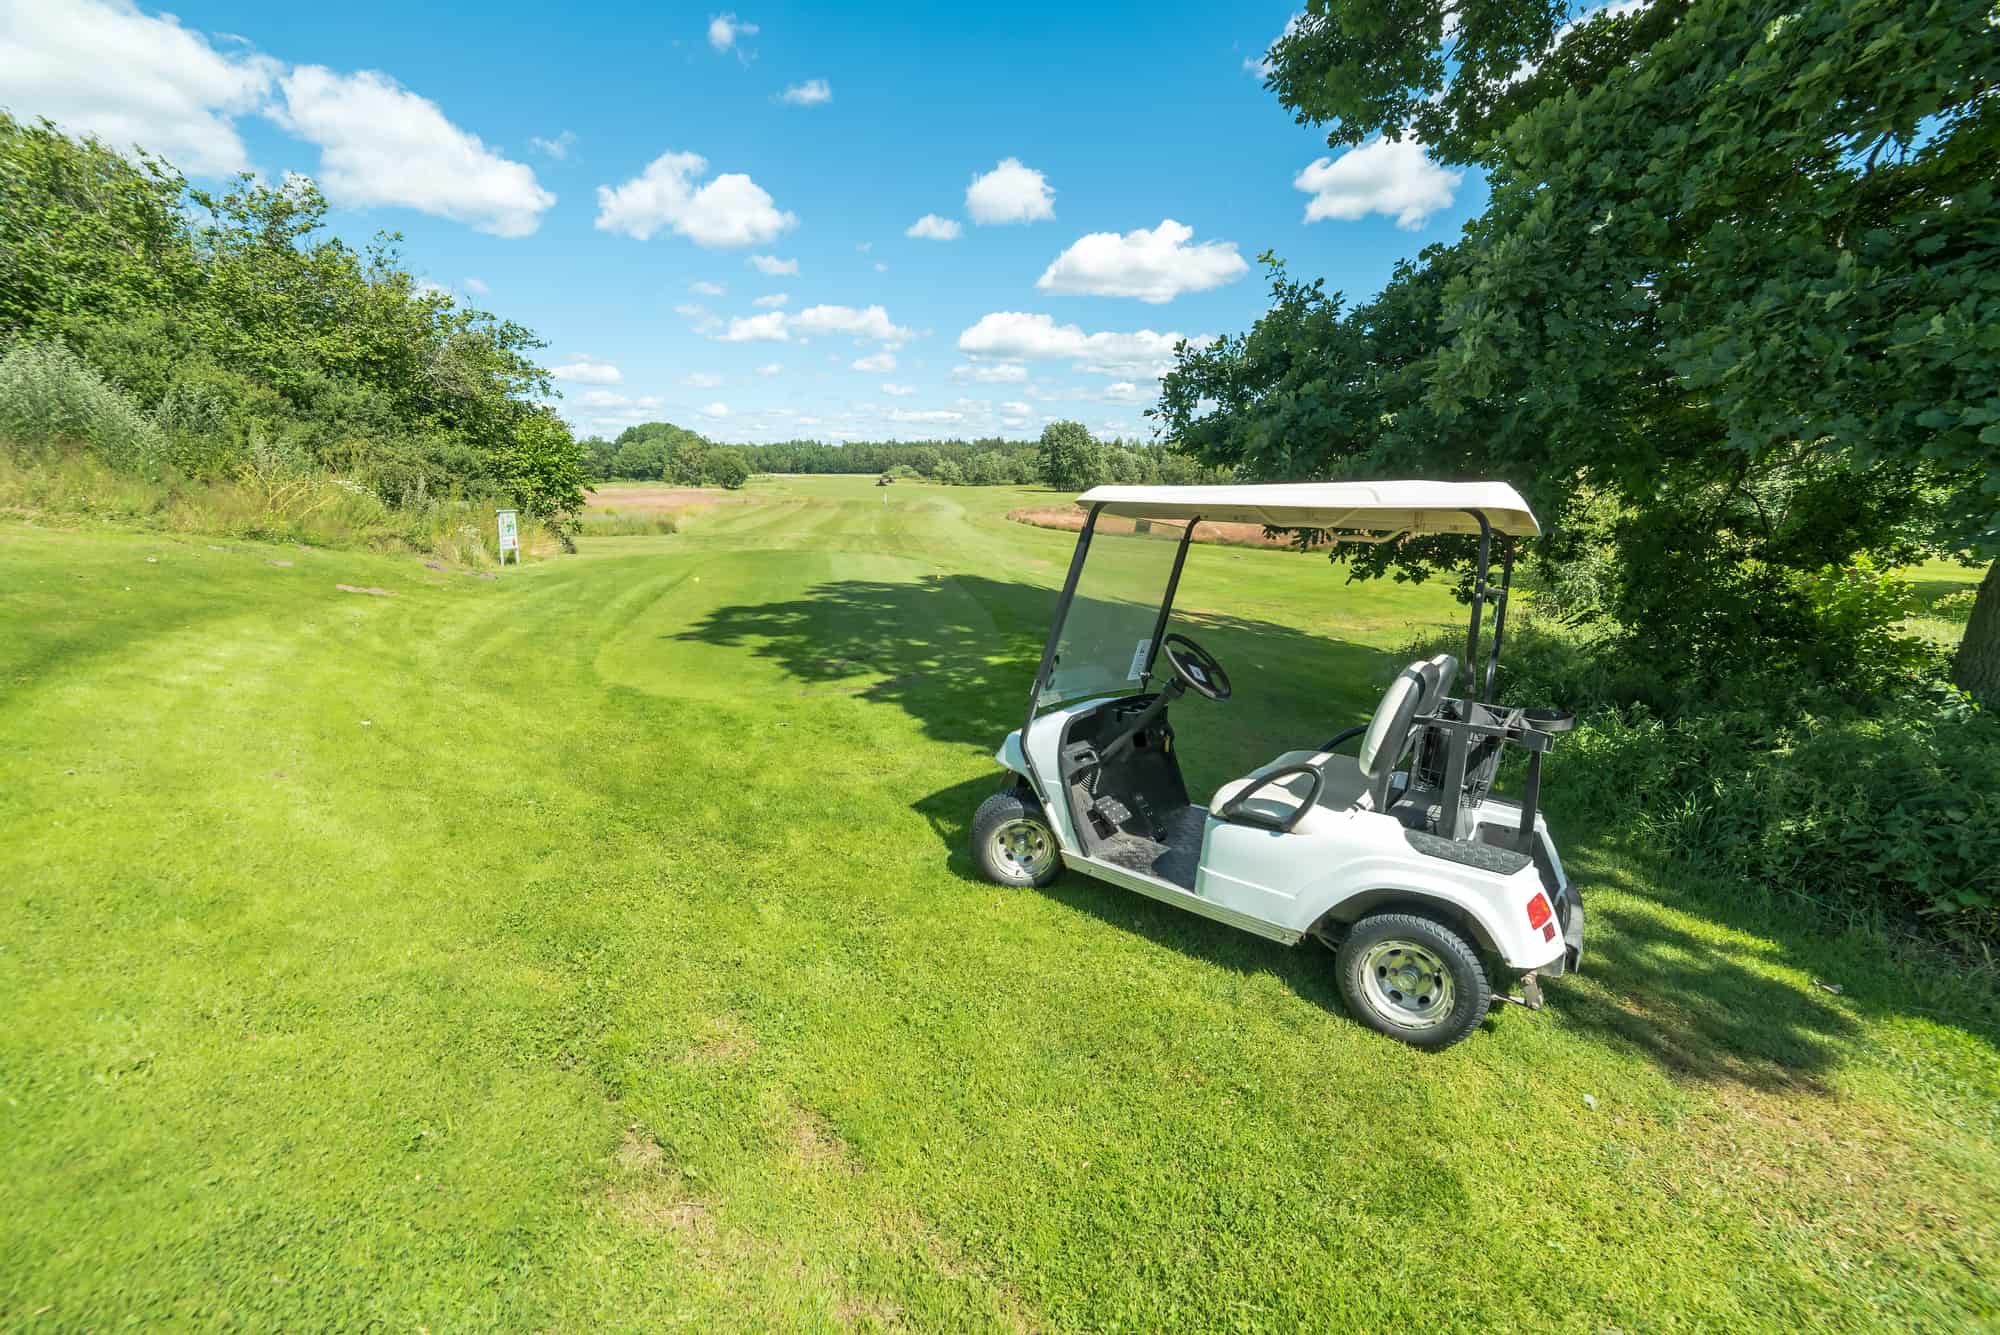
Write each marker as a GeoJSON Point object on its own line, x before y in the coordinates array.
{"type": "Point", "coordinates": [1065, 456]}
{"type": "Point", "coordinates": [233, 335]}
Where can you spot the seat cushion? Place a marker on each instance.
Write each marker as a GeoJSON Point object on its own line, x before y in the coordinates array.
{"type": "Point", "coordinates": [1344, 788]}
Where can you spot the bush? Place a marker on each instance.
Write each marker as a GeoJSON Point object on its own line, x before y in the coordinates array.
{"type": "Point", "coordinates": [1851, 817]}
{"type": "Point", "coordinates": [1954, 607]}
{"type": "Point", "coordinates": [50, 395]}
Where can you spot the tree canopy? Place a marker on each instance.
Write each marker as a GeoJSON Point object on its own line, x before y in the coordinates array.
{"type": "Point", "coordinates": [1733, 308]}
{"type": "Point", "coordinates": [231, 309]}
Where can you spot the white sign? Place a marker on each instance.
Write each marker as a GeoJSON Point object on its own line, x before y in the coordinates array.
{"type": "Point", "coordinates": [510, 537]}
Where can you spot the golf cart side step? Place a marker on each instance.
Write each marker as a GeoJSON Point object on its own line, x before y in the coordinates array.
{"type": "Point", "coordinates": [1499, 861]}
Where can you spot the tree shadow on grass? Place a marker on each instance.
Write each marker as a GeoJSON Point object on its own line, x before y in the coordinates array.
{"type": "Point", "coordinates": [957, 653]}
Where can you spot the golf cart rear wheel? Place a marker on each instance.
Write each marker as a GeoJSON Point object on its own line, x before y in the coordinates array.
{"type": "Point", "coordinates": [1012, 841]}
{"type": "Point", "coordinates": [1413, 978]}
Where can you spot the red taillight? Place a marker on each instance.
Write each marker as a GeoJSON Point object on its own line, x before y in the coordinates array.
{"type": "Point", "coordinates": [1539, 911]}
{"type": "Point", "coordinates": [1549, 932]}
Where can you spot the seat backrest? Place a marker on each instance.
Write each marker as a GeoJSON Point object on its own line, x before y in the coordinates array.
{"type": "Point", "coordinates": [1388, 734]}
{"type": "Point", "coordinates": [1440, 675]}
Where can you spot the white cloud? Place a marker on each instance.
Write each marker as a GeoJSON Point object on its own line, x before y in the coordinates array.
{"type": "Point", "coordinates": [131, 79]}
{"type": "Point", "coordinates": [716, 410]}
{"type": "Point", "coordinates": [701, 317]}
{"type": "Point", "coordinates": [930, 227]}
{"type": "Point", "coordinates": [772, 265]}
{"type": "Point", "coordinates": [701, 380]}
{"type": "Point", "coordinates": [926, 415]}
{"type": "Point", "coordinates": [758, 328]}
{"type": "Point", "coordinates": [584, 371]}
{"type": "Point", "coordinates": [899, 391]}
{"type": "Point", "coordinates": [881, 267]}
{"type": "Point", "coordinates": [1154, 266]}
{"type": "Point", "coordinates": [725, 29]}
{"type": "Point", "coordinates": [731, 210]}
{"type": "Point", "coordinates": [1261, 65]}
{"type": "Point", "coordinates": [1122, 392]}
{"type": "Point", "coordinates": [1010, 193]}
{"type": "Point", "coordinates": [425, 287]}
{"type": "Point", "coordinates": [881, 361]}
{"type": "Point", "coordinates": [997, 373]}
{"type": "Point", "coordinates": [557, 148]}
{"type": "Point", "coordinates": [772, 301]}
{"type": "Point", "coordinates": [1380, 176]}
{"type": "Point", "coordinates": [708, 289]}
{"type": "Point", "coordinates": [868, 322]}
{"type": "Point", "coordinates": [605, 398]}
{"type": "Point", "coordinates": [1017, 336]}
{"type": "Point", "coordinates": [771, 369]}
{"type": "Point", "coordinates": [1017, 409]}
{"type": "Point", "coordinates": [381, 144]}
{"type": "Point", "coordinates": [808, 94]}
{"type": "Point", "coordinates": [477, 287]}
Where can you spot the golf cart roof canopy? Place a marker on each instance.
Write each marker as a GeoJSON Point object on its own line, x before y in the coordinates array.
{"type": "Point", "coordinates": [1379, 509]}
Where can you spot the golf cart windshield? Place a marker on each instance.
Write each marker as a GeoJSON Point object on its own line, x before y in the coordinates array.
{"type": "Point", "coordinates": [1106, 643]}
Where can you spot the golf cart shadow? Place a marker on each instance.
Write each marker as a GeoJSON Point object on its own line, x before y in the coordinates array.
{"type": "Point", "coordinates": [1653, 988]}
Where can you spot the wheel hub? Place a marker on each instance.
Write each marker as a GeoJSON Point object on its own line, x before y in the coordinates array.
{"type": "Point", "coordinates": [1024, 846]}
{"type": "Point", "coordinates": [1407, 984]}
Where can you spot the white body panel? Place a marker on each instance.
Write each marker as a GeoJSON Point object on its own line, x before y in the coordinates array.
{"type": "Point", "coordinates": [1280, 885]}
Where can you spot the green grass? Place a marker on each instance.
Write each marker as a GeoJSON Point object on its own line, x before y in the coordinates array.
{"type": "Point", "coordinates": [595, 947]}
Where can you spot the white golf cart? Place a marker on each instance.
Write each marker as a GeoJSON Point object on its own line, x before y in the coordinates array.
{"type": "Point", "coordinates": [1430, 890]}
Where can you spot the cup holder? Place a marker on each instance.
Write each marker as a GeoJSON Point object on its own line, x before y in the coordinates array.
{"type": "Point", "coordinates": [1549, 720]}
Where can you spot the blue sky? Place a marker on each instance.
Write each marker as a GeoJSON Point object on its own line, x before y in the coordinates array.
{"type": "Point", "coordinates": [611, 177]}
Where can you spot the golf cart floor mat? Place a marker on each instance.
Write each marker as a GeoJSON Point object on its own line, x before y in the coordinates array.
{"type": "Point", "coordinates": [1173, 861]}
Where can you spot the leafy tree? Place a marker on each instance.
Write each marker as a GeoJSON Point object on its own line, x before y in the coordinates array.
{"type": "Point", "coordinates": [1069, 458]}
{"type": "Point", "coordinates": [1731, 308]}
{"type": "Point", "coordinates": [234, 320]}
{"type": "Point", "coordinates": [722, 466]}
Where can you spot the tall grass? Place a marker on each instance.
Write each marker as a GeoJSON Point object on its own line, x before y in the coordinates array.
{"type": "Point", "coordinates": [611, 524]}
{"type": "Point", "coordinates": [74, 448]}
{"type": "Point", "coordinates": [48, 393]}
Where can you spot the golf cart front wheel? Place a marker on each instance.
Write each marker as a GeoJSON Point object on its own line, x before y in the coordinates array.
{"type": "Point", "coordinates": [1012, 841]}
{"type": "Point", "coordinates": [1413, 978]}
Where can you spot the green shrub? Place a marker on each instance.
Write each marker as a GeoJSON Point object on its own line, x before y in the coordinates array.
{"type": "Point", "coordinates": [50, 396]}
{"type": "Point", "coordinates": [1953, 607]}
{"type": "Point", "coordinates": [1849, 816]}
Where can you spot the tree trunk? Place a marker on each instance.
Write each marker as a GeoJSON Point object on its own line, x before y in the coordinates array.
{"type": "Point", "coordinates": [1977, 667]}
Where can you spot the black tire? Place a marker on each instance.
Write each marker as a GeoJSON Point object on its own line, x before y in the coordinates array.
{"type": "Point", "coordinates": [1386, 958]}
{"type": "Point", "coordinates": [1012, 842]}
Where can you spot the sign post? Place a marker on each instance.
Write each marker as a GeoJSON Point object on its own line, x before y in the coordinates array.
{"type": "Point", "coordinates": [510, 537]}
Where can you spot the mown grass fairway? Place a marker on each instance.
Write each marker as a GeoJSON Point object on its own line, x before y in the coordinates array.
{"type": "Point", "coordinates": [596, 947]}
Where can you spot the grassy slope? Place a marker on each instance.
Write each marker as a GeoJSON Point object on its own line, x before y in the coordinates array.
{"type": "Point", "coordinates": [595, 947]}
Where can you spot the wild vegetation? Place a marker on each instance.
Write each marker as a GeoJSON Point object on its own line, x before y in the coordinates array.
{"type": "Point", "coordinates": [1730, 319]}
{"type": "Point", "coordinates": [188, 338]}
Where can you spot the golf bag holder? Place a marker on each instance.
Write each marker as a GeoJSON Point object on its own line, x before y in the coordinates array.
{"type": "Point", "coordinates": [1458, 751]}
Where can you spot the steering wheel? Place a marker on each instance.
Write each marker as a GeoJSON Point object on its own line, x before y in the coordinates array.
{"type": "Point", "coordinates": [1196, 667]}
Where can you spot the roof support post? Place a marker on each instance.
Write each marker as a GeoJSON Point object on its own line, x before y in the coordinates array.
{"type": "Point", "coordinates": [1063, 601]}
{"type": "Point", "coordinates": [1167, 603]}
{"type": "Point", "coordinates": [1479, 592]}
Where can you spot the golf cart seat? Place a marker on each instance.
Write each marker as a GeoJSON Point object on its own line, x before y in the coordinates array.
{"type": "Point", "coordinates": [1281, 795]}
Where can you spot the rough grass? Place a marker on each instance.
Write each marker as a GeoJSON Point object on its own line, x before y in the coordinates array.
{"type": "Point", "coordinates": [63, 486]}
{"type": "Point", "coordinates": [595, 947]}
